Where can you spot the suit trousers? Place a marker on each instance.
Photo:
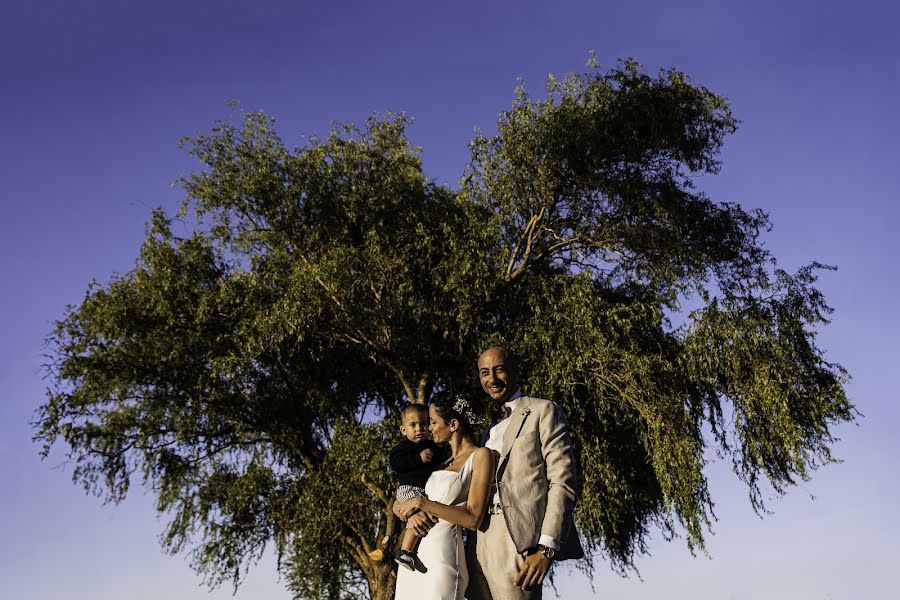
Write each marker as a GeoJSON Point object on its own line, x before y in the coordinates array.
{"type": "Point", "coordinates": [493, 564]}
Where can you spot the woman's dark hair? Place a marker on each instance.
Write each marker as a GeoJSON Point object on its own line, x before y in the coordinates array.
{"type": "Point", "coordinates": [462, 406]}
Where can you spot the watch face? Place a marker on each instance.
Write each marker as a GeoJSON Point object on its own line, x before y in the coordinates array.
{"type": "Point", "coordinates": [549, 552]}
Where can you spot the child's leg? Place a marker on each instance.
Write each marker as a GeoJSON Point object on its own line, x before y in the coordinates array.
{"type": "Point", "coordinates": [407, 556]}
{"type": "Point", "coordinates": [410, 541]}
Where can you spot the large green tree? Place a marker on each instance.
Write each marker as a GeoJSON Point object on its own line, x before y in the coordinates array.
{"type": "Point", "coordinates": [249, 368]}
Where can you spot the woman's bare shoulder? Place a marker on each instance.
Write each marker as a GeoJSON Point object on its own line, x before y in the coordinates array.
{"type": "Point", "coordinates": [483, 456]}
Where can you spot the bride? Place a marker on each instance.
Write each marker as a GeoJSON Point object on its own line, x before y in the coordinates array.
{"type": "Point", "coordinates": [457, 496]}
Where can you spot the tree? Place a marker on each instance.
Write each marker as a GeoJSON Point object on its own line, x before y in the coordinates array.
{"type": "Point", "coordinates": [249, 372]}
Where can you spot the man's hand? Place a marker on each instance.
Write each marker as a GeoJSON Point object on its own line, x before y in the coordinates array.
{"type": "Point", "coordinates": [426, 455]}
{"type": "Point", "coordinates": [421, 523]}
{"type": "Point", "coordinates": [533, 571]}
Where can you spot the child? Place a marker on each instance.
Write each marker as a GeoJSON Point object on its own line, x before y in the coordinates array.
{"type": "Point", "coordinates": [413, 460]}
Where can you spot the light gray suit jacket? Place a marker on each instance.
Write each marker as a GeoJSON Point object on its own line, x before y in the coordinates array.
{"type": "Point", "coordinates": [536, 479]}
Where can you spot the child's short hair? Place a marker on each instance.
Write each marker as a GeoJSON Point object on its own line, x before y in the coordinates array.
{"type": "Point", "coordinates": [410, 407]}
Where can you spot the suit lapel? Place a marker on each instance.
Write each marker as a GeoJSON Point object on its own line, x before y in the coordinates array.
{"type": "Point", "coordinates": [516, 421]}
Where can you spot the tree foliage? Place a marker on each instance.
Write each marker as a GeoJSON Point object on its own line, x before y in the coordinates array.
{"type": "Point", "coordinates": [249, 372]}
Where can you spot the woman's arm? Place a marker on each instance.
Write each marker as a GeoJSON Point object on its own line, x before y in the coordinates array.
{"type": "Point", "coordinates": [419, 522]}
{"type": "Point", "coordinates": [472, 512]}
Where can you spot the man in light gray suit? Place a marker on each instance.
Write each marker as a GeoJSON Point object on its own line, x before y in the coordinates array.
{"type": "Point", "coordinates": [529, 520]}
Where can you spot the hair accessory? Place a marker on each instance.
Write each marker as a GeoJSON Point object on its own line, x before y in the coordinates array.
{"type": "Point", "coordinates": [462, 407]}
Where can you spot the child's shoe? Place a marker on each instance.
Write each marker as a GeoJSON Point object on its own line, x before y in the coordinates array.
{"type": "Point", "coordinates": [410, 560]}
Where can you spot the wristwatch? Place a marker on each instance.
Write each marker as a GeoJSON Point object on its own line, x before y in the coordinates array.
{"type": "Point", "coordinates": [547, 551]}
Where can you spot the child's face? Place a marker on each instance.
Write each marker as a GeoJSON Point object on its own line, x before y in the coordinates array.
{"type": "Point", "coordinates": [415, 425]}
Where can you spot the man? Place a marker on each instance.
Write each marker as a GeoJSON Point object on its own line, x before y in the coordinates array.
{"type": "Point", "coordinates": [529, 520]}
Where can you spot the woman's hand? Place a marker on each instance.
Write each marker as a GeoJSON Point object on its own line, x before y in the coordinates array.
{"type": "Point", "coordinates": [420, 523]}
{"type": "Point", "coordinates": [408, 508]}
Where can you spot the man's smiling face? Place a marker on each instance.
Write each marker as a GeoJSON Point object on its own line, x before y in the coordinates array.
{"type": "Point", "coordinates": [497, 373]}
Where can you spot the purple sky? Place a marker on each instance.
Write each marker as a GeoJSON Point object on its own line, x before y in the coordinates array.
{"type": "Point", "coordinates": [95, 96]}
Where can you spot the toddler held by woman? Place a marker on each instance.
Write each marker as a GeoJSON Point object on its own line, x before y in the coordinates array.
{"type": "Point", "coordinates": [413, 460]}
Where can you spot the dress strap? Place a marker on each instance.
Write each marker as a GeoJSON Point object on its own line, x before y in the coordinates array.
{"type": "Point", "coordinates": [467, 467]}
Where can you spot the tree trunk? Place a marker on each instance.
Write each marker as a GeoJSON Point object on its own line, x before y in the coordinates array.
{"type": "Point", "coordinates": [377, 560]}
{"type": "Point", "coordinates": [382, 580]}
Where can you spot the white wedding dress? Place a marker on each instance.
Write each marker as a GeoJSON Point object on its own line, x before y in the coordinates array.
{"type": "Point", "coordinates": [442, 549]}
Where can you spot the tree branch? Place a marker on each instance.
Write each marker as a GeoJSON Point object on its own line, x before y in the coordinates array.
{"type": "Point", "coordinates": [423, 387]}
{"type": "Point", "coordinates": [385, 500]}
{"type": "Point", "coordinates": [528, 237]}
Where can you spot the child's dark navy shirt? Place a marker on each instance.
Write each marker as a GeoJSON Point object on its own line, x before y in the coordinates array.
{"type": "Point", "coordinates": [407, 463]}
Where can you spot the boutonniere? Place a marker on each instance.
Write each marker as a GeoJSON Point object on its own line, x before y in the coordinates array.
{"type": "Point", "coordinates": [526, 411]}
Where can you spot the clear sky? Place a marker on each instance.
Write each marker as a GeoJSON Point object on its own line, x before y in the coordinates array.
{"type": "Point", "coordinates": [95, 96]}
